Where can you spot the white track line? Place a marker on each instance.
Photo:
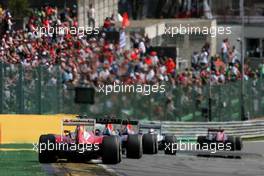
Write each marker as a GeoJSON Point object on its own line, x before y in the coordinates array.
{"type": "Point", "coordinates": [105, 167]}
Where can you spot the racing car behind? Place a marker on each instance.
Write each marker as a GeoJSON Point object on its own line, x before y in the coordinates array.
{"type": "Point", "coordinates": [130, 140]}
{"type": "Point", "coordinates": [154, 139]}
{"type": "Point", "coordinates": [219, 137]}
{"type": "Point", "coordinates": [83, 143]}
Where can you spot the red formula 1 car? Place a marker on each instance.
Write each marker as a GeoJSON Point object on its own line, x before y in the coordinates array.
{"type": "Point", "coordinates": [82, 144]}
{"type": "Point", "coordinates": [221, 139]}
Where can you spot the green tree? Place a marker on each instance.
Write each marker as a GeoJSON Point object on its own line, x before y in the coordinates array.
{"type": "Point", "coordinates": [18, 8]}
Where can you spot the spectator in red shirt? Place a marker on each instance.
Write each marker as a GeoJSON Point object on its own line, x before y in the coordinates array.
{"type": "Point", "coordinates": [107, 23]}
{"type": "Point", "coordinates": [148, 61]}
{"type": "Point", "coordinates": [170, 65]}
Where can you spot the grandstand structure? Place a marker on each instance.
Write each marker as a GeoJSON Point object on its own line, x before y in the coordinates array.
{"type": "Point", "coordinates": [103, 9]}
{"type": "Point", "coordinates": [184, 44]}
{"type": "Point", "coordinates": [230, 13]}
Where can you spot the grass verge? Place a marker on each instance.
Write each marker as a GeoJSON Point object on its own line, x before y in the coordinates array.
{"type": "Point", "coordinates": [16, 146]}
{"type": "Point", "coordinates": [261, 138]}
{"type": "Point", "coordinates": [19, 163]}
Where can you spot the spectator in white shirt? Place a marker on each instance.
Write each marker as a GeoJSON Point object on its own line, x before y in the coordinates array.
{"type": "Point", "coordinates": [203, 58]}
{"type": "Point", "coordinates": [224, 50]}
{"type": "Point", "coordinates": [91, 16]}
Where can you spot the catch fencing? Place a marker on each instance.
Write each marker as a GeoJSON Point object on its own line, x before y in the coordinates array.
{"type": "Point", "coordinates": [39, 90]}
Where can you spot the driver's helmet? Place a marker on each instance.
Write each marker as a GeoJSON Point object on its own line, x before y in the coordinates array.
{"type": "Point", "coordinates": [128, 129]}
{"type": "Point", "coordinates": [151, 131]}
{"type": "Point", "coordinates": [108, 129]}
{"type": "Point", "coordinates": [118, 132]}
{"type": "Point", "coordinates": [220, 135]}
{"type": "Point", "coordinates": [73, 135]}
{"type": "Point", "coordinates": [97, 132]}
{"type": "Point", "coordinates": [210, 136]}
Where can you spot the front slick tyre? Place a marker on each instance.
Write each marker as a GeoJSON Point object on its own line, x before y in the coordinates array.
{"type": "Point", "coordinates": [134, 146]}
{"type": "Point", "coordinates": [45, 154]}
{"type": "Point", "coordinates": [111, 150]}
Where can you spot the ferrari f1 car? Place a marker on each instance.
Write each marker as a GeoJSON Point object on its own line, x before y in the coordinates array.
{"type": "Point", "coordinates": [154, 139]}
{"type": "Point", "coordinates": [222, 141]}
{"type": "Point", "coordinates": [83, 143]}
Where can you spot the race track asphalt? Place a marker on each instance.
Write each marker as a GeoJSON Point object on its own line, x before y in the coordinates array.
{"type": "Point", "coordinates": [251, 163]}
{"type": "Point", "coordinates": [182, 165]}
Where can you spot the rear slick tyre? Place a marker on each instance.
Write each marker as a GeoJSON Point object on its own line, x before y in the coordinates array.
{"type": "Point", "coordinates": [134, 146]}
{"type": "Point", "coordinates": [170, 142]}
{"type": "Point", "coordinates": [111, 150]}
{"type": "Point", "coordinates": [46, 150]}
{"type": "Point", "coordinates": [149, 144]}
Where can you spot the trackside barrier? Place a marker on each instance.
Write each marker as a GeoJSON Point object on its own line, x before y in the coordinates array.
{"type": "Point", "coordinates": [0, 134]}
{"type": "Point", "coordinates": [246, 129]}
{"type": "Point", "coordinates": [28, 128]}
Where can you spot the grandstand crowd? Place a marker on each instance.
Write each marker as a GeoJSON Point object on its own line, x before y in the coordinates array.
{"type": "Point", "coordinates": [140, 9]}
{"type": "Point", "coordinates": [94, 60]}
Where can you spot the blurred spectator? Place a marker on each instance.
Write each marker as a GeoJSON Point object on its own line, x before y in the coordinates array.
{"type": "Point", "coordinates": [234, 56]}
{"type": "Point", "coordinates": [261, 70]}
{"type": "Point", "coordinates": [6, 21]}
{"type": "Point", "coordinates": [195, 60]}
{"type": "Point", "coordinates": [1, 12]}
{"type": "Point", "coordinates": [139, 9]}
{"type": "Point", "coordinates": [224, 50]}
{"type": "Point", "coordinates": [203, 61]}
{"type": "Point", "coordinates": [91, 16]}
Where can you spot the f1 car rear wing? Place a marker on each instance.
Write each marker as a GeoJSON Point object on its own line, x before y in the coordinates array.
{"type": "Point", "coordinates": [76, 122]}
{"type": "Point", "coordinates": [117, 121]}
{"type": "Point", "coordinates": [215, 130]}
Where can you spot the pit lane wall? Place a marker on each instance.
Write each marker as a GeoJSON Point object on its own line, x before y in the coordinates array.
{"type": "Point", "coordinates": [28, 128]}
